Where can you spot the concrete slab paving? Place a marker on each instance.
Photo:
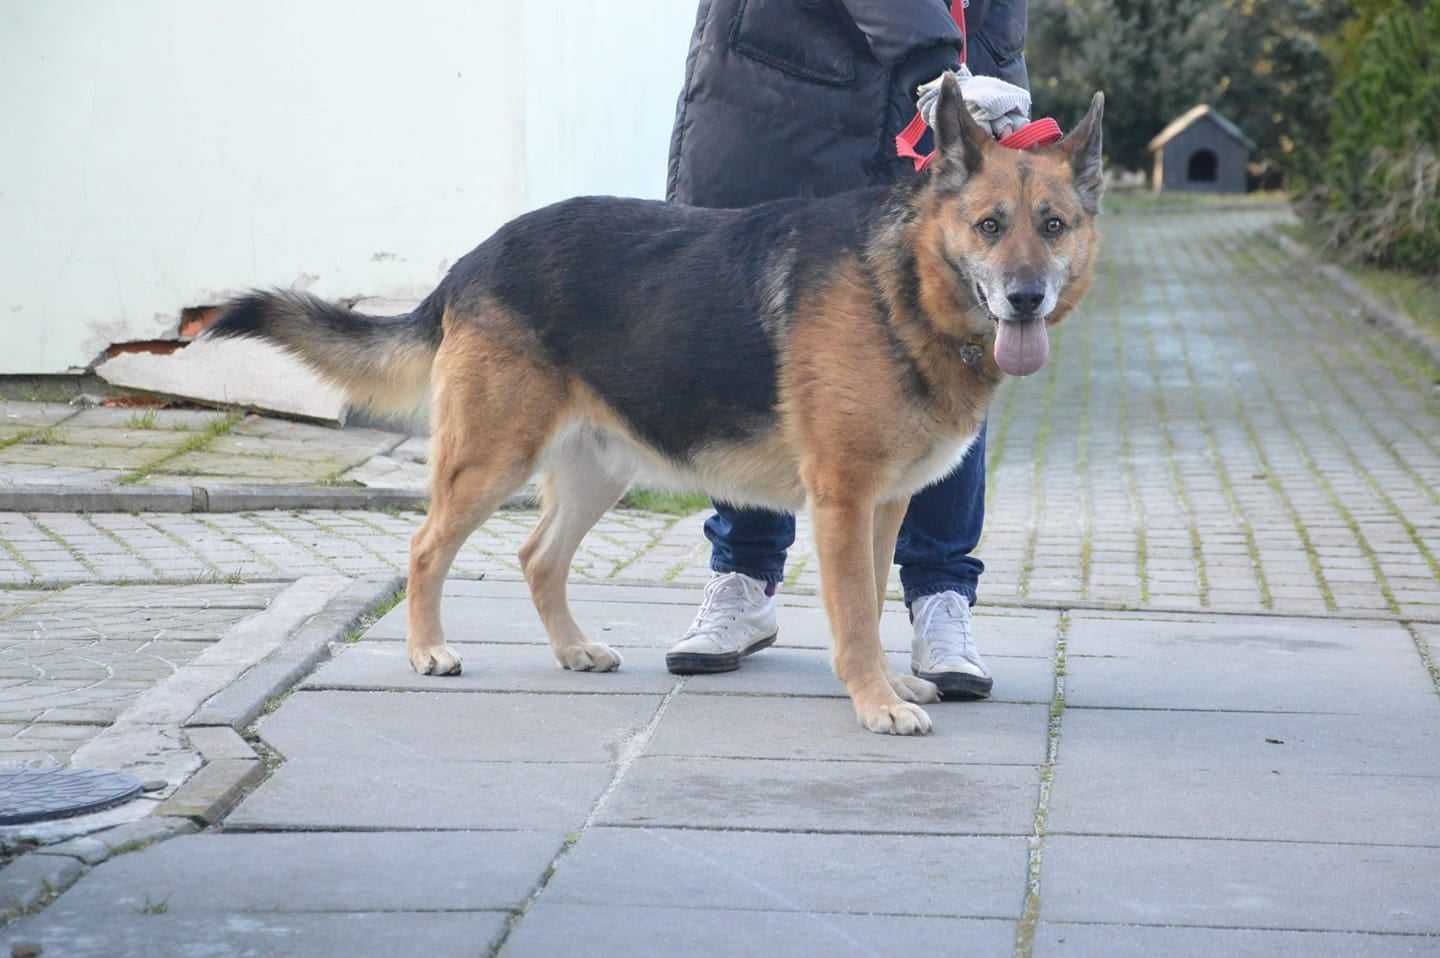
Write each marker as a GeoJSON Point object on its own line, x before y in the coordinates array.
{"type": "Point", "coordinates": [808, 672]}
{"type": "Point", "coordinates": [772, 871]}
{"type": "Point", "coordinates": [319, 872]}
{"type": "Point", "coordinates": [1231, 741]}
{"type": "Point", "coordinates": [1282, 777]}
{"type": "Point", "coordinates": [1139, 941]}
{"type": "Point", "coordinates": [548, 930]}
{"type": "Point", "coordinates": [738, 726]}
{"type": "Point", "coordinates": [251, 935]}
{"type": "Point", "coordinates": [1247, 663]}
{"type": "Point", "coordinates": [1279, 885]}
{"type": "Point", "coordinates": [375, 666]}
{"type": "Point", "coordinates": [477, 727]}
{"type": "Point", "coordinates": [402, 795]}
{"type": "Point", "coordinates": [805, 795]}
{"type": "Point", "coordinates": [1254, 805]}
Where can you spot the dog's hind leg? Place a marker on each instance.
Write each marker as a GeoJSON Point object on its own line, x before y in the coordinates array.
{"type": "Point", "coordinates": [576, 491]}
{"type": "Point", "coordinates": [494, 410]}
{"type": "Point", "coordinates": [888, 518]}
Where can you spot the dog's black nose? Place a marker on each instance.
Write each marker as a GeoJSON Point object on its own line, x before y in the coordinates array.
{"type": "Point", "coordinates": [1026, 300]}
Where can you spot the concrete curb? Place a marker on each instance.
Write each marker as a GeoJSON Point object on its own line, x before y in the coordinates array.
{"type": "Point", "coordinates": [114, 498]}
{"type": "Point", "coordinates": [242, 701]}
{"type": "Point", "coordinates": [1369, 304]}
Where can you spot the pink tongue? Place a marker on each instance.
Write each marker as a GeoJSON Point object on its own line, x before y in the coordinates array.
{"type": "Point", "coordinates": [1021, 348]}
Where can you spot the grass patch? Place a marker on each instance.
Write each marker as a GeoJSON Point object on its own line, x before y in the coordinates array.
{"type": "Point", "coordinates": [154, 907]}
{"type": "Point", "coordinates": [216, 577]}
{"type": "Point", "coordinates": [1415, 296]}
{"type": "Point", "coordinates": [19, 437]}
{"type": "Point", "coordinates": [141, 420]}
{"type": "Point", "coordinates": [1147, 201]}
{"type": "Point", "coordinates": [669, 503]}
{"type": "Point", "coordinates": [45, 437]}
{"type": "Point", "coordinates": [378, 612]}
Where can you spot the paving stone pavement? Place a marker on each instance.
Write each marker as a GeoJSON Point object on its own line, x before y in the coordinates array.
{"type": "Point", "coordinates": [1100, 804]}
{"type": "Point", "coordinates": [1212, 606]}
{"type": "Point", "coordinates": [143, 448]}
{"type": "Point", "coordinates": [72, 660]}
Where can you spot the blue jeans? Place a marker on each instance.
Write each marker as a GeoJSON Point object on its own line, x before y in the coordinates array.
{"type": "Point", "coordinates": [941, 529]}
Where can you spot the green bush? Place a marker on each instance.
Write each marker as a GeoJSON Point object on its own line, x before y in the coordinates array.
{"type": "Point", "coordinates": [1376, 195]}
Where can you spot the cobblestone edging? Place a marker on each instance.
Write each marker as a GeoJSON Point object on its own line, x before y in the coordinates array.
{"type": "Point", "coordinates": [186, 731]}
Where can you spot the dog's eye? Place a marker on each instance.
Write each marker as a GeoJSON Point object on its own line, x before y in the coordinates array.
{"type": "Point", "coordinates": [1054, 226]}
{"type": "Point", "coordinates": [989, 226]}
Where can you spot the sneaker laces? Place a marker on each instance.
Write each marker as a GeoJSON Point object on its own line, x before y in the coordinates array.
{"type": "Point", "coordinates": [945, 625]}
{"type": "Point", "coordinates": [726, 596]}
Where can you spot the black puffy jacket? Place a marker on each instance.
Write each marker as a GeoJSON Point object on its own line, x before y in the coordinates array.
{"type": "Point", "coordinates": [787, 98]}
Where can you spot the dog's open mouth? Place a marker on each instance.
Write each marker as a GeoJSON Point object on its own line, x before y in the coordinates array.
{"type": "Point", "coordinates": [1022, 347]}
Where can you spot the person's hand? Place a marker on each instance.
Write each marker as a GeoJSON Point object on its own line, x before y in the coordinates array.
{"type": "Point", "coordinates": [1000, 107]}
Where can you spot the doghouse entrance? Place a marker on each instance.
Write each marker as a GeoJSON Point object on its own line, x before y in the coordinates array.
{"type": "Point", "coordinates": [1202, 167]}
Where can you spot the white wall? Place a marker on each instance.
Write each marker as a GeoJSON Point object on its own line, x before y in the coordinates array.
{"type": "Point", "coordinates": [158, 154]}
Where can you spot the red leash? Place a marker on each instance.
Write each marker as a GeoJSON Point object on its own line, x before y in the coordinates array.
{"type": "Point", "coordinates": [1040, 132]}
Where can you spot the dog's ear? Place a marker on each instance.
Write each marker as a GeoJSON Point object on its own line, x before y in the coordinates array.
{"type": "Point", "coordinates": [1082, 150]}
{"type": "Point", "coordinates": [959, 140]}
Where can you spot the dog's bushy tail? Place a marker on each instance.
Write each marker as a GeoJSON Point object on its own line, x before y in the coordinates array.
{"type": "Point", "coordinates": [380, 361]}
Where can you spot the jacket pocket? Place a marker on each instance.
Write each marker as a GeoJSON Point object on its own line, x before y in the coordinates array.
{"type": "Point", "coordinates": [809, 39]}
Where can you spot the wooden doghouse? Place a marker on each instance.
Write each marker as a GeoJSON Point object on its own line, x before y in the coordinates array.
{"type": "Point", "coordinates": [1201, 151]}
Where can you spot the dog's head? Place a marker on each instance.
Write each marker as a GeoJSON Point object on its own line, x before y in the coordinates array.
{"type": "Point", "coordinates": [1015, 227]}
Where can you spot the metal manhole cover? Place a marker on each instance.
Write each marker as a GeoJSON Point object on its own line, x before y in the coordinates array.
{"type": "Point", "coordinates": [34, 795]}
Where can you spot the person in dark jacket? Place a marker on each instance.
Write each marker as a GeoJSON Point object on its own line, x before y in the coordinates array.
{"type": "Point", "coordinates": [796, 98]}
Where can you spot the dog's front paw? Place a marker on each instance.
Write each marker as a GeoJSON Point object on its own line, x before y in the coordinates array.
{"type": "Point", "coordinates": [435, 660]}
{"type": "Point", "coordinates": [899, 718]}
{"type": "Point", "coordinates": [913, 689]}
{"type": "Point", "coordinates": [590, 657]}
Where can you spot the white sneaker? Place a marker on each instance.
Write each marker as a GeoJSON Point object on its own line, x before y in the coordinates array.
{"type": "Point", "coordinates": [943, 650]}
{"type": "Point", "coordinates": [736, 619]}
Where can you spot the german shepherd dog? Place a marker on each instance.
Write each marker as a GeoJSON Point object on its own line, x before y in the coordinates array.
{"type": "Point", "coordinates": [838, 352]}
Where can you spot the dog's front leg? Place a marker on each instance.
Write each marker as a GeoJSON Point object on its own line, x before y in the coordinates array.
{"type": "Point", "coordinates": [889, 516]}
{"type": "Point", "coordinates": [844, 539]}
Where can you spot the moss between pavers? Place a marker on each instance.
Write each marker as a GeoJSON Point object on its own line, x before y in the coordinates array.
{"type": "Point", "coordinates": [165, 420]}
{"type": "Point", "coordinates": [244, 468]}
{"type": "Point", "coordinates": [96, 436]}
{"type": "Point", "coordinates": [195, 442]}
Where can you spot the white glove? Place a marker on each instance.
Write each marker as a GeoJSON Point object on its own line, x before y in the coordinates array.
{"type": "Point", "coordinates": [1000, 107]}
